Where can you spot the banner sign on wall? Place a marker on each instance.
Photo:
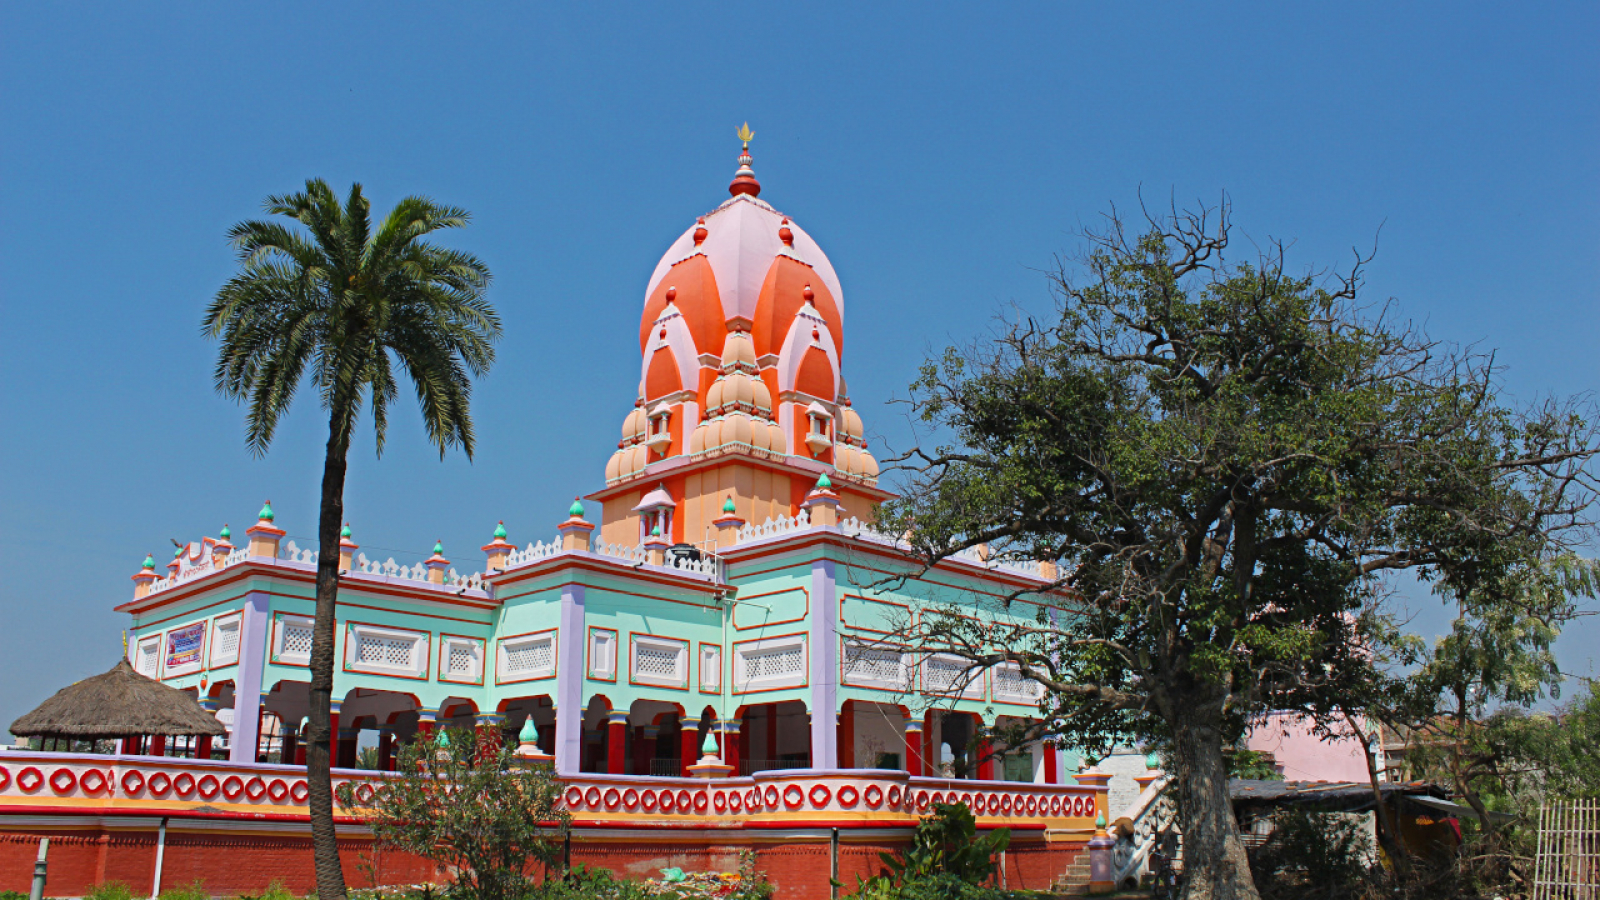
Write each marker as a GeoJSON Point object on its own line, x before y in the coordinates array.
{"type": "Point", "coordinates": [183, 645]}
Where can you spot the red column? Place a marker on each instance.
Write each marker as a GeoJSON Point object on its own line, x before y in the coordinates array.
{"type": "Point", "coordinates": [913, 758]}
{"type": "Point", "coordinates": [690, 739]}
{"type": "Point", "coordinates": [346, 748]}
{"type": "Point", "coordinates": [616, 742]}
{"type": "Point", "coordinates": [291, 745]}
{"type": "Point", "coordinates": [1052, 759]}
{"type": "Point", "coordinates": [427, 721]}
{"type": "Point", "coordinates": [386, 748]}
{"type": "Point", "coordinates": [202, 747]}
{"type": "Point", "coordinates": [847, 735]}
{"type": "Point", "coordinates": [772, 733]}
{"type": "Point", "coordinates": [730, 745]}
{"type": "Point", "coordinates": [985, 761]}
{"type": "Point", "coordinates": [333, 736]}
{"type": "Point", "coordinates": [131, 746]}
{"type": "Point", "coordinates": [640, 752]}
{"type": "Point", "coordinates": [158, 745]}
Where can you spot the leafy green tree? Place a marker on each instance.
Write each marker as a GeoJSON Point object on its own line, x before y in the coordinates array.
{"type": "Point", "coordinates": [341, 305]}
{"type": "Point", "coordinates": [1499, 656]}
{"type": "Point", "coordinates": [1221, 460]}
{"type": "Point", "coordinates": [473, 807]}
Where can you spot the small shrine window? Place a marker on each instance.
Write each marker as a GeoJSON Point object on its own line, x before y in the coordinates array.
{"type": "Point", "coordinates": [770, 663]}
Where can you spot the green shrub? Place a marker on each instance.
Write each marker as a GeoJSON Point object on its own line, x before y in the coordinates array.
{"type": "Point", "coordinates": [946, 859]}
{"type": "Point", "coordinates": [110, 890]}
{"type": "Point", "coordinates": [195, 891]}
{"type": "Point", "coordinates": [1312, 856]}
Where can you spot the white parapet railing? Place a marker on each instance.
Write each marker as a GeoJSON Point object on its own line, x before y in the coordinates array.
{"type": "Point", "coordinates": [99, 785]}
{"type": "Point", "coordinates": [706, 566]}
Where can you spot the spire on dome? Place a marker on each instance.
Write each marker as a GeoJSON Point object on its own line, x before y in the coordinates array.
{"type": "Point", "coordinates": [744, 180]}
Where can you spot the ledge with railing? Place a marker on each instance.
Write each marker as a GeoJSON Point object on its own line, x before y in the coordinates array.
{"type": "Point", "coordinates": [40, 783]}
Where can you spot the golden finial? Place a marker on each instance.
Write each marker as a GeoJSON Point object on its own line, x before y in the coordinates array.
{"type": "Point", "coordinates": [746, 135]}
{"type": "Point", "coordinates": [124, 642]}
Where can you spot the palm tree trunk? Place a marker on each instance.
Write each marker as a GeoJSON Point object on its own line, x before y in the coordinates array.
{"type": "Point", "coordinates": [319, 745]}
{"type": "Point", "coordinates": [1214, 863]}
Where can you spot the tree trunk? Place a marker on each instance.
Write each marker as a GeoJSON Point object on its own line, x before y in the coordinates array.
{"type": "Point", "coordinates": [320, 740]}
{"type": "Point", "coordinates": [1214, 862]}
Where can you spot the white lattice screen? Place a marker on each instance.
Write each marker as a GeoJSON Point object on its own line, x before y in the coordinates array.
{"type": "Point", "coordinates": [661, 662]}
{"type": "Point", "coordinates": [769, 663]}
{"type": "Point", "coordinates": [461, 660]}
{"type": "Point", "coordinates": [942, 674]}
{"type": "Point", "coordinates": [227, 645]}
{"type": "Point", "coordinates": [529, 656]}
{"type": "Point", "coordinates": [376, 650]}
{"type": "Point", "coordinates": [296, 639]}
{"type": "Point", "coordinates": [149, 655]}
{"type": "Point", "coordinates": [1010, 681]}
{"type": "Point", "coordinates": [875, 663]}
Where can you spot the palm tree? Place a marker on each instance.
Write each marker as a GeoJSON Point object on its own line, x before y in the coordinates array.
{"type": "Point", "coordinates": [343, 304]}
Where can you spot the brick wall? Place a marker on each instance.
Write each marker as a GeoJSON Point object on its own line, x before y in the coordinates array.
{"type": "Point", "coordinates": [799, 864]}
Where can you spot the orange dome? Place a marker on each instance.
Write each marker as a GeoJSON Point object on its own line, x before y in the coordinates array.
{"type": "Point", "coordinates": [777, 442]}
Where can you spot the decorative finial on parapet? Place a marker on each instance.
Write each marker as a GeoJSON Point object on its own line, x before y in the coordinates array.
{"type": "Point", "coordinates": [499, 548]}
{"type": "Point", "coordinates": [437, 564]}
{"type": "Point", "coordinates": [728, 524]}
{"type": "Point", "coordinates": [145, 577]}
{"type": "Point", "coordinates": [575, 531]}
{"type": "Point", "coordinates": [347, 549]}
{"type": "Point", "coordinates": [744, 180]}
{"type": "Point", "coordinates": [822, 504]}
{"type": "Point", "coordinates": [226, 533]}
{"type": "Point", "coordinates": [264, 535]}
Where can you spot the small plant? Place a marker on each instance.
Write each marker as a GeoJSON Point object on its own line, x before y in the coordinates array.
{"type": "Point", "coordinates": [473, 807]}
{"type": "Point", "coordinates": [195, 891]}
{"type": "Point", "coordinates": [947, 860]}
{"type": "Point", "coordinates": [110, 890]}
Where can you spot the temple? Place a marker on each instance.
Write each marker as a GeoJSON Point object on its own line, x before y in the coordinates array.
{"type": "Point", "coordinates": [710, 658]}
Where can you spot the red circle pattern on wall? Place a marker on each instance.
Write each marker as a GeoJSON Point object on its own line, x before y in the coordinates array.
{"type": "Point", "coordinates": [299, 792]}
{"type": "Point", "coordinates": [62, 781]}
{"type": "Point", "coordinates": [183, 785]}
{"type": "Point", "coordinates": [160, 783]}
{"type": "Point", "coordinates": [29, 779]}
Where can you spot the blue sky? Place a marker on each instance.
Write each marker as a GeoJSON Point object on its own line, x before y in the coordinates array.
{"type": "Point", "coordinates": [941, 154]}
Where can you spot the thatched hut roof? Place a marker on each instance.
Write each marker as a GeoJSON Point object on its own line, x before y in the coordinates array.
{"type": "Point", "coordinates": [118, 703]}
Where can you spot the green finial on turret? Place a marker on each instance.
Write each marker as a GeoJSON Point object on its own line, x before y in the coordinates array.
{"type": "Point", "coordinates": [149, 561]}
{"type": "Point", "coordinates": [709, 745]}
{"type": "Point", "coordinates": [727, 505]}
{"type": "Point", "coordinates": [226, 534]}
{"type": "Point", "coordinates": [500, 531]}
{"type": "Point", "coordinates": [823, 482]}
{"type": "Point", "coordinates": [655, 531]}
{"type": "Point", "coordinates": [1100, 820]}
{"type": "Point", "coordinates": [345, 531]}
{"type": "Point", "coordinates": [177, 552]}
{"type": "Point", "coordinates": [266, 512]}
{"type": "Point", "coordinates": [438, 548]}
{"type": "Point", "coordinates": [576, 509]}
{"type": "Point", "coordinates": [1152, 761]}
{"type": "Point", "coordinates": [444, 739]}
{"type": "Point", "coordinates": [529, 733]}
